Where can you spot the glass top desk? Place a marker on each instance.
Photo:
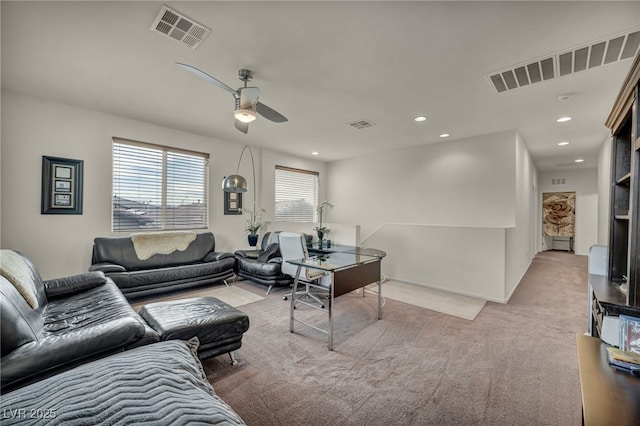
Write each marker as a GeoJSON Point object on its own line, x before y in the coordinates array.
{"type": "Point", "coordinates": [349, 270]}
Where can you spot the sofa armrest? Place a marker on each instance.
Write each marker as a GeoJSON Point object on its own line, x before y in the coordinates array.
{"type": "Point", "coordinates": [214, 256]}
{"type": "Point", "coordinates": [73, 284]}
{"type": "Point", "coordinates": [249, 254]}
{"type": "Point", "coordinates": [275, 260]}
{"type": "Point", "coordinates": [107, 267]}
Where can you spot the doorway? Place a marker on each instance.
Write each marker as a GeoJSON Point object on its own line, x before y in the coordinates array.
{"type": "Point", "coordinates": [559, 220]}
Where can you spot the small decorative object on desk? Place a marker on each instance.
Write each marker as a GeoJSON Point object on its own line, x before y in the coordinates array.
{"type": "Point", "coordinates": [630, 333]}
{"type": "Point", "coordinates": [627, 358]}
{"type": "Point", "coordinates": [322, 230]}
{"type": "Point", "coordinates": [253, 225]}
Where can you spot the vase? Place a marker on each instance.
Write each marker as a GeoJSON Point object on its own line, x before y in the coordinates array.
{"type": "Point", "coordinates": [253, 240]}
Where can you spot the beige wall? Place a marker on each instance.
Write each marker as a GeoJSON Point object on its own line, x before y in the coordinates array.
{"type": "Point", "coordinates": [438, 209]}
{"type": "Point", "coordinates": [61, 244]}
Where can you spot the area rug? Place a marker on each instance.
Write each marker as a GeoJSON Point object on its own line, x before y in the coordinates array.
{"type": "Point", "coordinates": [232, 295]}
{"type": "Point", "coordinates": [464, 307]}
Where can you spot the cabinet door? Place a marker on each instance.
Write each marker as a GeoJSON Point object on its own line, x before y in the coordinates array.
{"type": "Point", "coordinates": [620, 198]}
{"type": "Point", "coordinates": [634, 202]}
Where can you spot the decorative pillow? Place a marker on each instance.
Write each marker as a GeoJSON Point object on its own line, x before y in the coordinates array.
{"type": "Point", "coordinates": [15, 269]}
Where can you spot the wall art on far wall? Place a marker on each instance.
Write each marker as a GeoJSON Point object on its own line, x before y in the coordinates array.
{"type": "Point", "coordinates": [61, 186]}
{"type": "Point", "coordinates": [232, 203]}
{"type": "Point", "coordinates": [559, 214]}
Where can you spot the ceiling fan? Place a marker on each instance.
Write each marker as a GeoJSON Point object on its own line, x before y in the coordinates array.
{"type": "Point", "coordinates": [246, 98]}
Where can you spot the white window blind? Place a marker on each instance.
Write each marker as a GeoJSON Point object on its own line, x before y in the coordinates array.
{"type": "Point", "coordinates": [157, 187]}
{"type": "Point", "coordinates": [296, 195]}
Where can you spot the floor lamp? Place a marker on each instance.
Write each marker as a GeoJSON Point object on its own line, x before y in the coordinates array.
{"type": "Point", "coordinates": [237, 184]}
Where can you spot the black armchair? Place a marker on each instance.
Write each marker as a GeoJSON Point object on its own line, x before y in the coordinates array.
{"type": "Point", "coordinates": [263, 265]}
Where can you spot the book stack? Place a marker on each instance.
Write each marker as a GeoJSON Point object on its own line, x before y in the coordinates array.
{"type": "Point", "coordinates": [627, 357]}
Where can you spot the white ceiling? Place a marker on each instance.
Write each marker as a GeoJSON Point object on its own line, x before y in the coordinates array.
{"type": "Point", "coordinates": [326, 64]}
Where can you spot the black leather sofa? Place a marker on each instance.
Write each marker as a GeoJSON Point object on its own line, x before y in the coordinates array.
{"type": "Point", "coordinates": [197, 265]}
{"type": "Point", "coordinates": [263, 265]}
{"type": "Point", "coordinates": [72, 320]}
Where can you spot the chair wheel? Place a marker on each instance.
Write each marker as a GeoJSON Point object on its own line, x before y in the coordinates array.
{"type": "Point", "coordinates": [284, 297]}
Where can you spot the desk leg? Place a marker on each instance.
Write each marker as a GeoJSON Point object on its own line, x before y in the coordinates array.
{"type": "Point", "coordinates": [379, 299]}
{"type": "Point", "coordinates": [331, 295]}
{"type": "Point", "coordinates": [294, 289]}
{"type": "Point", "coordinates": [379, 291]}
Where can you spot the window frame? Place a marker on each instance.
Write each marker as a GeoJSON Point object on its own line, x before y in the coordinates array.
{"type": "Point", "coordinates": [170, 156]}
{"type": "Point", "coordinates": [315, 196]}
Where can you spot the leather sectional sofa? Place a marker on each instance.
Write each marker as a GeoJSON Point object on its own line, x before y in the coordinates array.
{"type": "Point", "coordinates": [140, 272]}
{"type": "Point", "coordinates": [67, 321]}
{"type": "Point", "coordinates": [75, 352]}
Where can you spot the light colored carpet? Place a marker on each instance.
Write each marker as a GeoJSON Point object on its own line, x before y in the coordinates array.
{"type": "Point", "coordinates": [514, 365]}
{"type": "Point", "coordinates": [464, 307]}
{"type": "Point", "coordinates": [232, 295]}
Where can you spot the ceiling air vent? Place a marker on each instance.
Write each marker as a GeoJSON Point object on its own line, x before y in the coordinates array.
{"type": "Point", "coordinates": [362, 124]}
{"type": "Point", "coordinates": [180, 28]}
{"type": "Point", "coordinates": [558, 181]}
{"type": "Point", "coordinates": [603, 52]}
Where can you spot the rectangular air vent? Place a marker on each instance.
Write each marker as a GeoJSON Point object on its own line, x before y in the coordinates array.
{"type": "Point", "coordinates": [603, 52]}
{"type": "Point", "coordinates": [558, 181]}
{"type": "Point", "coordinates": [180, 28]}
{"type": "Point", "coordinates": [361, 124]}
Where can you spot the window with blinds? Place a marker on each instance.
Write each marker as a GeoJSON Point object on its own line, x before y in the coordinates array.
{"type": "Point", "coordinates": [296, 195]}
{"type": "Point", "coordinates": [158, 188]}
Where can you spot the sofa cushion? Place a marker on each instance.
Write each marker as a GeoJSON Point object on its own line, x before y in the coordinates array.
{"type": "Point", "coordinates": [120, 251]}
{"type": "Point", "coordinates": [174, 274]}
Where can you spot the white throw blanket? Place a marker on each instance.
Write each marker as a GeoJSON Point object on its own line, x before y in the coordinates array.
{"type": "Point", "coordinates": [15, 269]}
{"type": "Point", "coordinates": [148, 244]}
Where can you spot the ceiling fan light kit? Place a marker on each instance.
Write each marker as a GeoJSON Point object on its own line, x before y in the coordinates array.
{"type": "Point", "coordinates": [246, 115]}
{"type": "Point", "coordinates": [247, 106]}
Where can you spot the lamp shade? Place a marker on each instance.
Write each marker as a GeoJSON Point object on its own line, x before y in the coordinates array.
{"type": "Point", "coordinates": [234, 183]}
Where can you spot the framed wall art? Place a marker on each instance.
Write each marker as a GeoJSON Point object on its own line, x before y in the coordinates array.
{"type": "Point", "coordinates": [61, 186]}
{"type": "Point", "coordinates": [232, 203]}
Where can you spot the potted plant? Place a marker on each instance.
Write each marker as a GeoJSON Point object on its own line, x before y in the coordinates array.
{"type": "Point", "coordinates": [320, 229]}
{"type": "Point", "coordinates": [253, 225]}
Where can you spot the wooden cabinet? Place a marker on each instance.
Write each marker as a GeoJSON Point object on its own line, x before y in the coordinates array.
{"type": "Point", "coordinates": [624, 212]}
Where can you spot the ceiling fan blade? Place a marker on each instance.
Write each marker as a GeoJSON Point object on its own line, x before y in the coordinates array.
{"type": "Point", "coordinates": [209, 78]}
{"type": "Point", "coordinates": [270, 114]}
{"type": "Point", "coordinates": [248, 96]}
{"type": "Point", "coordinates": [243, 127]}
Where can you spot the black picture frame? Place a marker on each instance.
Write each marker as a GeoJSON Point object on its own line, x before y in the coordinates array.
{"type": "Point", "coordinates": [232, 203]}
{"type": "Point", "coordinates": [61, 185]}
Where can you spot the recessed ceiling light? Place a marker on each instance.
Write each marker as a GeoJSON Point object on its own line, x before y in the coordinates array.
{"type": "Point", "coordinates": [563, 119]}
{"type": "Point", "coordinates": [565, 97]}
{"type": "Point", "coordinates": [420, 118]}
{"type": "Point", "coordinates": [315, 153]}
{"type": "Point", "coordinates": [563, 143]}
{"type": "Point", "coordinates": [445, 135]}
{"type": "Point", "coordinates": [578, 160]}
